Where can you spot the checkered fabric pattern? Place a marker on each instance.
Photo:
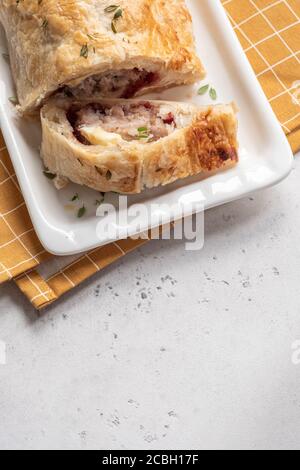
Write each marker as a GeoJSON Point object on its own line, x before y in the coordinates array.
{"type": "Point", "coordinates": [20, 249]}
{"type": "Point", "coordinates": [269, 31]}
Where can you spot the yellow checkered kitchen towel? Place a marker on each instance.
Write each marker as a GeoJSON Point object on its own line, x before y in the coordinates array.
{"type": "Point", "coordinates": [269, 31]}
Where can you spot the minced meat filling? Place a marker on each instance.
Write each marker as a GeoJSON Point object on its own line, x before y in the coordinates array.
{"type": "Point", "coordinates": [141, 121]}
{"type": "Point", "coordinates": [119, 84]}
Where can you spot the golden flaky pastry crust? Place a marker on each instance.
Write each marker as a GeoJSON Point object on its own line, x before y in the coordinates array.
{"type": "Point", "coordinates": [46, 40]}
{"type": "Point", "coordinates": [207, 143]}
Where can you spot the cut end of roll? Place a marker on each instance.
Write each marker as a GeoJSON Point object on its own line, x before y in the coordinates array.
{"type": "Point", "coordinates": [126, 146]}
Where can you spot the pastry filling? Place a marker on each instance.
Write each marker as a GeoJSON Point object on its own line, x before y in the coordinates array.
{"type": "Point", "coordinates": [119, 84]}
{"type": "Point", "coordinates": [141, 121]}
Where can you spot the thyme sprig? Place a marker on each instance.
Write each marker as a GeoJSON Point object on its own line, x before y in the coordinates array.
{"type": "Point", "coordinates": [118, 13]}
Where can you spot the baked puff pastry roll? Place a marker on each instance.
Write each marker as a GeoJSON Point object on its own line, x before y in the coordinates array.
{"type": "Point", "coordinates": [126, 146]}
{"type": "Point", "coordinates": [91, 46]}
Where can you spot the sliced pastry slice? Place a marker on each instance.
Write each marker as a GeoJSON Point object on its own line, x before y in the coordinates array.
{"type": "Point", "coordinates": [93, 46]}
{"type": "Point", "coordinates": [129, 145]}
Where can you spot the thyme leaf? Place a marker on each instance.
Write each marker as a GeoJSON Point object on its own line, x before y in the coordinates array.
{"type": "Point", "coordinates": [81, 212]}
{"type": "Point", "coordinates": [84, 51]}
{"type": "Point", "coordinates": [204, 89]}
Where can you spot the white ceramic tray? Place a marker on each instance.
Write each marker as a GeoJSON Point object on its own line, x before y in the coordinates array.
{"type": "Point", "coordinates": [265, 156]}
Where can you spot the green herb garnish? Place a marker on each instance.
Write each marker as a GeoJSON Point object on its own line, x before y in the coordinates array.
{"type": "Point", "coordinates": [90, 36]}
{"type": "Point", "coordinates": [75, 197]}
{"type": "Point", "coordinates": [111, 8]}
{"type": "Point", "coordinates": [81, 212]}
{"type": "Point", "coordinates": [204, 89]}
{"type": "Point", "coordinates": [118, 13]}
{"type": "Point", "coordinates": [84, 51]}
{"type": "Point", "coordinates": [143, 133]}
{"type": "Point", "coordinates": [213, 94]}
{"type": "Point", "coordinates": [13, 100]}
{"type": "Point", "coordinates": [113, 27]}
{"type": "Point", "coordinates": [49, 175]}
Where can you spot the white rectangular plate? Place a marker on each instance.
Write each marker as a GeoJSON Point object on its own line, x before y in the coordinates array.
{"type": "Point", "coordinates": [265, 156]}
